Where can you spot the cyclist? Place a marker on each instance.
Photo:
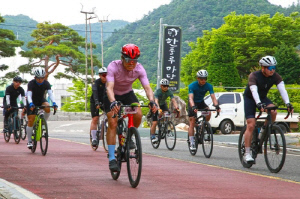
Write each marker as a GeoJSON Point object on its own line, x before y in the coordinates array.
{"type": "Point", "coordinates": [96, 100]}
{"type": "Point", "coordinates": [255, 96]}
{"type": "Point", "coordinates": [36, 90]}
{"type": "Point", "coordinates": [197, 90]}
{"type": "Point", "coordinates": [12, 92]}
{"type": "Point", "coordinates": [120, 76]}
{"type": "Point", "coordinates": [161, 95]}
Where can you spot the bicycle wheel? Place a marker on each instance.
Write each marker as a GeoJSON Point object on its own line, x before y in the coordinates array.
{"type": "Point", "coordinates": [23, 129]}
{"type": "Point", "coordinates": [34, 142]}
{"type": "Point", "coordinates": [104, 127]}
{"type": "Point", "coordinates": [134, 157]}
{"type": "Point", "coordinates": [275, 149]}
{"type": "Point", "coordinates": [156, 144]}
{"type": "Point", "coordinates": [9, 130]}
{"type": "Point", "coordinates": [207, 140]}
{"type": "Point", "coordinates": [196, 133]}
{"type": "Point", "coordinates": [242, 150]}
{"type": "Point", "coordinates": [17, 130]}
{"type": "Point", "coordinates": [44, 136]}
{"type": "Point", "coordinates": [119, 156]}
{"type": "Point", "coordinates": [170, 137]}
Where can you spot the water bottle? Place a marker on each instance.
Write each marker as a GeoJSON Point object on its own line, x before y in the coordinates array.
{"type": "Point", "coordinates": [258, 134]}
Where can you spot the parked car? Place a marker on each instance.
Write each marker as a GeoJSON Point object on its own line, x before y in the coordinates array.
{"type": "Point", "coordinates": [232, 115]}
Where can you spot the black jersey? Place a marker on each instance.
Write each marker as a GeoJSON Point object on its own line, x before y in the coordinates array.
{"type": "Point", "coordinates": [13, 93]}
{"type": "Point", "coordinates": [98, 91]}
{"type": "Point", "coordinates": [262, 82]}
{"type": "Point", "coordinates": [38, 91]}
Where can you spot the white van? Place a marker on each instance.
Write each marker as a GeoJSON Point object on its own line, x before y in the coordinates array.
{"type": "Point", "coordinates": [232, 116]}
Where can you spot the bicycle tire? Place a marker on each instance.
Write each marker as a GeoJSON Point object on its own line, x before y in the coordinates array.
{"type": "Point", "coordinates": [170, 135]}
{"type": "Point", "coordinates": [17, 130]}
{"type": "Point", "coordinates": [7, 133]}
{"type": "Point", "coordinates": [118, 153]}
{"type": "Point", "coordinates": [44, 137]}
{"type": "Point", "coordinates": [156, 144]}
{"type": "Point", "coordinates": [104, 127]}
{"type": "Point", "coordinates": [207, 140]}
{"type": "Point", "coordinates": [34, 142]}
{"type": "Point", "coordinates": [23, 130]}
{"type": "Point", "coordinates": [241, 148]}
{"type": "Point", "coordinates": [134, 157]}
{"type": "Point", "coordinates": [196, 132]}
{"type": "Point", "coordinates": [275, 149]}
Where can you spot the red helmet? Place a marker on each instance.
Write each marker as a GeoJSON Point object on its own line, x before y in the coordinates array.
{"type": "Point", "coordinates": [131, 51]}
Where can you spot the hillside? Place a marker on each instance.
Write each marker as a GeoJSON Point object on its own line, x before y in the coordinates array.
{"type": "Point", "coordinates": [193, 16]}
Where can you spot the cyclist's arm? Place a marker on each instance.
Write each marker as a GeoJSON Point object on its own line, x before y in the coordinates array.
{"type": "Point", "coordinates": [7, 99]}
{"type": "Point", "coordinates": [214, 99]}
{"type": "Point", "coordinates": [95, 92]}
{"type": "Point", "coordinates": [51, 96]}
{"type": "Point", "coordinates": [29, 96]}
{"type": "Point", "coordinates": [156, 101]}
{"type": "Point", "coordinates": [149, 92]}
{"type": "Point", "coordinates": [283, 92]}
{"type": "Point", "coordinates": [174, 103]}
{"type": "Point", "coordinates": [110, 91]}
{"type": "Point", "coordinates": [255, 95]}
{"type": "Point", "coordinates": [191, 99]}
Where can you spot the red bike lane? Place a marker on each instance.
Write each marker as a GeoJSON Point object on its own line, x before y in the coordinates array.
{"type": "Point", "coordinates": [73, 170]}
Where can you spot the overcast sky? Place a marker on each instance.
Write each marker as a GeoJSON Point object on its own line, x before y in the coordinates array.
{"type": "Point", "coordinates": [68, 12]}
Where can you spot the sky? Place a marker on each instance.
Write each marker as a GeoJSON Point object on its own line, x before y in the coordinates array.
{"type": "Point", "coordinates": [68, 12]}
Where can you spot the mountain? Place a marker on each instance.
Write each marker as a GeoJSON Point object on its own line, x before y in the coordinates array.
{"type": "Point", "coordinates": [22, 26]}
{"type": "Point", "coordinates": [193, 16]}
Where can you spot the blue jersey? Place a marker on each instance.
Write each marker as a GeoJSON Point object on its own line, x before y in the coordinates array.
{"type": "Point", "coordinates": [200, 91]}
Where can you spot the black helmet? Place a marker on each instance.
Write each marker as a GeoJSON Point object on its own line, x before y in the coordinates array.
{"type": "Point", "coordinates": [17, 79]}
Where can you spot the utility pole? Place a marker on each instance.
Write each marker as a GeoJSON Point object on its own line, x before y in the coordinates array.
{"type": "Point", "coordinates": [101, 21]}
{"type": "Point", "coordinates": [86, 60]}
{"type": "Point", "coordinates": [91, 49]}
{"type": "Point", "coordinates": [159, 60]}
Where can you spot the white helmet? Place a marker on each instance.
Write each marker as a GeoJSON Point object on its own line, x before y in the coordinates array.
{"type": "Point", "coordinates": [39, 72]}
{"type": "Point", "coordinates": [202, 73]}
{"type": "Point", "coordinates": [164, 81]}
{"type": "Point", "coordinates": [102, 70]}
{"type": "Point", "coordinates": [267, 61]}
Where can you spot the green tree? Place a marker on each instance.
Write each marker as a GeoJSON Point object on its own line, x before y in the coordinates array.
{"type": "Point", "coordinates": [54, 45]}
{"type": "Point", "coordinates": [222, 70]}
{"type": "Point", "coordinates": [77, 101]}
{"type": "Point", "coordinates": [288, 63]}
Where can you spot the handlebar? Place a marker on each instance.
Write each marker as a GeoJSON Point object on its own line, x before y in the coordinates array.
{"type": "Point", "coordinates": [42, 107]}
{"type": "Point", "coordinates": [274, 108]}
{"type": "Point", "coordinates": [131, 105]}
{"type": "Point", "coordinates": [218, 113]}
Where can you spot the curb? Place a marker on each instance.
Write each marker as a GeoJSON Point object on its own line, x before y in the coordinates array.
{"type": "Point", "coordinates": [9, 190]}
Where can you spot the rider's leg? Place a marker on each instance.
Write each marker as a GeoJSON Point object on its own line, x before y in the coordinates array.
{"type": "Point", "coordinates": [111, 135]}
{"type": "Point", "coordinates": [47, 110]}
{"type": "Point", "coordinates": [137, 118]}
{"type": "Point", "coordinates": [191, 129]}
{"type": "Point", "coordinates": [29, 127]}
{"type": "Point", "coordinates": [93, 127]}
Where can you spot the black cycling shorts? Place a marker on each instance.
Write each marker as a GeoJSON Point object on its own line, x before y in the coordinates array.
{"type": "Point", "coordinates": [200, 105]}
{"type": "Point", "coordinates": [94, 111]}
{"type": "Point", "coordinates": [126, 99]}
{"type": "Point", "coordinates": [250, 106]}
{"type": "Point", "coordinates": [29, 112]}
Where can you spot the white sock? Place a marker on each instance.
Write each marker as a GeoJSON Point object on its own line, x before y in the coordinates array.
{"type": "Point", "coordinates": [46, 116]}
{"type": "Point", "coordinates": [93, 132]}
{"type": "Point", "coordinates": [29, 133]}
{"type": "Point", "coordinates": [247, 150]}
{"type": "Point", "coordinates": [191, 139]}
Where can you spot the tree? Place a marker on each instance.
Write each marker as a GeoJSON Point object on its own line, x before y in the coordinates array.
{"type": "Point", "coordinates": [59, 44]}
{"type": "Point", "coordinates": [288, 63]}
{"type": "Point", "coordinates": [77, 101]}
{"type": "Point", "coordinates": [222, 69]}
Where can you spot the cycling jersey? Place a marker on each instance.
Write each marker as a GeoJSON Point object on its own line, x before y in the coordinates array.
{"type": "Point", "coordinates": [200, 91]}
{"type": "Point", "coordinates": [13, 93]}
{"type": "Point", "coordinates": [162, 96]}
{"type": "Point", "coordinates": [262, 82]}
{"type": "Point", "coordinates": [98, 92]}
{"type": "Point", "coordinates": [123, 79]}
{"type": "Point", "coordinates": [38, 91]}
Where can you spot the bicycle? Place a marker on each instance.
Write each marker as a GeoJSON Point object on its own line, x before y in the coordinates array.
{"type": "Point", "coordinates": [166, 130]}
{"type": "Point", "coordinates": [24, 123]}
{"type": "Point", "coordinates": [101, 132]}
{"type": "Point", "coordinates": [126, 134]}
{"type": "Point", "coordinates": [13, 126]}
{"type": "Point", "coordinates": [40, 129]}
{"type": "Point", "coordinates": [273, 139]}
{"type": "Point", "coordinates": [203, 134]}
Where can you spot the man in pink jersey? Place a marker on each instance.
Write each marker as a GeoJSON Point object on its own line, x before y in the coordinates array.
{"type": "Point", "coordinates": [120, 76]}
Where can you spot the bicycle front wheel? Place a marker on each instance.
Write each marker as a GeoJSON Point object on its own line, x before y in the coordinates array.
{"type": "Point", "coordinates": [134, 157]}
{"type": "Point", "coordinates": [207, 140]}
{"type": "Point", "coordinates": [196, 135]}
{"type": "Point", "coordinates": [156, 144]}
{"type": "Point", "coordinates": [34, 142]}
{"type": "Point", "coordinates": [23, 130]}
{"type": "Point", "coordinates": [242, 149]}
{"type": "Point", "coordinates": [170, 137]}
{"type": "Point", "coordinates": [17, 130]}
{"type": "Point", "coordinates": [275, 149]}
{"type": "Point", "coordinates": [104, 126]}
{"type": "Point", "coordinates": [44, 136]}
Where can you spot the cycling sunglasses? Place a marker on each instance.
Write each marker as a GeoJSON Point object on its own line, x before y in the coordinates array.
{"type": "Point", "coordinates": [103, 74]}
{"type": "Point", "coordinates": [203, 78]}
{"type": "Point", "coordinates": [165, 85]}
{"type": "Point", "coordinates": [128, 60]}
{"type": "Point", "coordinates": [271, 68]}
